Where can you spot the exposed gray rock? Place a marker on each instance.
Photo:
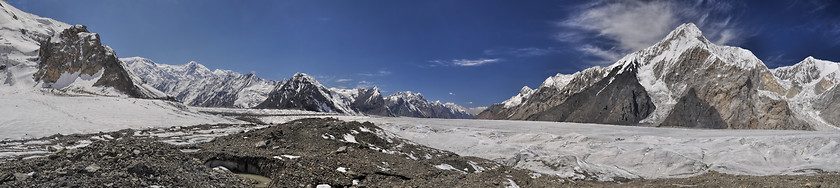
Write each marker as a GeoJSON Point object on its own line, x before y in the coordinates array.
{"type": "Point", "coordinates": [693, 112]}
{"type": "Point", "coordinates": [80, 51]}
{"type": "Point", "coordinates": [829, 106]}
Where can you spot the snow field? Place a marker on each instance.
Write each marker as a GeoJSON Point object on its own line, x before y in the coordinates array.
{"type": "Point", "coordinates": [34, 115]}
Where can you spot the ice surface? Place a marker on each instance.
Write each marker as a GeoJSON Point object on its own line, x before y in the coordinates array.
{"type": "Point", "coordinates": [607, 151]}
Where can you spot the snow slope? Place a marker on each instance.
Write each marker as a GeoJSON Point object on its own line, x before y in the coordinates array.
{"type": "Point", "coordinates": [608, 151]}
{"type": "Point", "coordinates": [19, 45]}
{"type": "Point", "coordinates": [25, 115]}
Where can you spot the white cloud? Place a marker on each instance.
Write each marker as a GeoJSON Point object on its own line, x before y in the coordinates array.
{"type": "Point", "coordinates": [472, 62]}
{"type": "Point", "coordinates": [608, 55]}
{"type": "Point", "coordinates": [612, 29]}
{"type": "Point", "coordinates": [344, 80]}
{"type": "Point", "coordinates": [633, 24]}
{"type": "Point", "coordinates": [461, 62]}
{"type": "Point", "coordinates": [450, 93]}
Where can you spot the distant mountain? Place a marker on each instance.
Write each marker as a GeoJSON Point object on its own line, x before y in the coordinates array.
{"type": "Point", "coordinates": [367, 101]}
{"type": "Point", "coordinates": [686, 81]}
{"type": "Point", "coordinates": [195, 85]}
{"type": "Point", "coordinates": [412, 104]}
{"type": "Point", "coordinates": [56, 57]}
{"type": "Point", "coordinates": [305, 93]}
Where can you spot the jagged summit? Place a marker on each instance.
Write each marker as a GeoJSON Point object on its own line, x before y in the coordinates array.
{"type": "Point", "coordinates": [408, 95]}
{"type": "Point", "coordinates": [686, 31]}
{"type": "Point", "coordinates": [303, 77]}
{"type": "Point", "coordinates": [525, 89]}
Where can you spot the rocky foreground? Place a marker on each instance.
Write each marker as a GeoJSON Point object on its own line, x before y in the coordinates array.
{"type": "Point", "coordinates": [302, 153]}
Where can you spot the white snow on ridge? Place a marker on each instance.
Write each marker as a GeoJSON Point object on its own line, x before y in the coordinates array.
{"type": "Point", "coordinates": [193, 83]}
{"type": "Point", "coordinates": [610, 151]}
{"type": "Point", "coordinates": [523, 95]}
{"type": "Point", "coordinates": [26, 115]}
{"type": "Point", "coordinates": [558, 81]}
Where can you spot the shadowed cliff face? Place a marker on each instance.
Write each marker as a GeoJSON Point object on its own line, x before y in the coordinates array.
{"type": "Point", "coordinates": [80, 51]}
{"type": "Point", "coordinates": [693, 112]}
{"type": "Point", "coordinates": [617, 99]}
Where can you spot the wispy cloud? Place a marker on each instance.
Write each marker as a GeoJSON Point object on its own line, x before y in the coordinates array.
{"type": "Point", "coordinates": [461, 62]}
{"type": "Point", "coordinates": [365, 84]}
{"type": "Point", "coordinates": [605, 55]}
{"type": "Point", "coordinates": [343, 80]}
{"type": "Point", "coordinates": [612, 29]}
{"type": "Point", "coordinates": [450, 93]}
{"type": "Point", "coordinates": [377, 73]}
{"type": "Point", "coordinates": [522, 52]}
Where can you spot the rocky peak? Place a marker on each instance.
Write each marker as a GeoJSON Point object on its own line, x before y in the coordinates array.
{"type": "Point", "coordinates": [304, 78]}
{"type": "Point", "coordinates": [79, 52]}
{"type": "Point", "coordinates": [407, 95]}
{"type": "Point", "coordinates": [687, 32]}
{"type": "Point", "coordinates": [525, 90]}
{"type": "Point", "coordinates": [808, 70]}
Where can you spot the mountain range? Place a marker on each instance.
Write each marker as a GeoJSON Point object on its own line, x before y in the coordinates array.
{"type": "Point", "coordinates": [196, 85]}
{"type": "Point", "coordinates": [685, 81]}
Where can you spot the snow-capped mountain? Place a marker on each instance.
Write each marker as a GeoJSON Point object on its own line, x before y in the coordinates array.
{"type": "Point", "coordinates": [366, 101]}
{"type": "Point", "coordinates": [303, 92]}
{"type": "Point", "coordinates": [412, 104]}
{"type": "Point", "coordinates": [685, 81]}
{"type": "Point", "coordinates": [195, 85]}
{"type": "Point", "coordinates": [811, 90]}
{"type": "Point", "coordinates": [44, 55]}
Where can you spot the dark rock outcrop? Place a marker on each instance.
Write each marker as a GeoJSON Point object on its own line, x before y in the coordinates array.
{"type": "Point", "coordinates": [82, 52]}
{"type": "Point", "coordinates": [495, 111]}
{"type": "Point", "coordinates": [617, 99]}
{"type": "Point", "coordinates": [693, 112]}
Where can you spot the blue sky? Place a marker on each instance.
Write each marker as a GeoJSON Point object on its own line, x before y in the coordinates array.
{"type": "Point", "coordinates": [473, 53]}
